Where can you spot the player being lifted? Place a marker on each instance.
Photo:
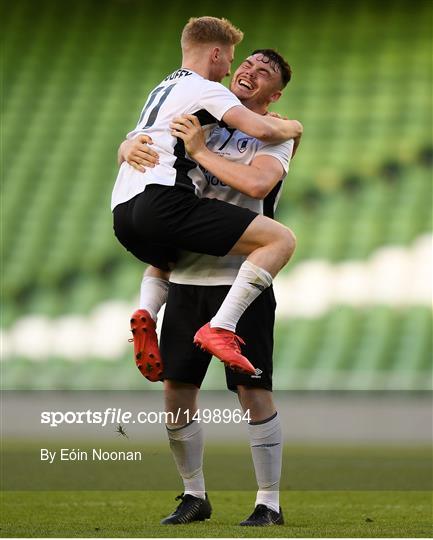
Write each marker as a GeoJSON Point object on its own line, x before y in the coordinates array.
{"type": "Point", "coordinates": [199, 283]}
{"type": "Point", "coordinates": [157, 213]}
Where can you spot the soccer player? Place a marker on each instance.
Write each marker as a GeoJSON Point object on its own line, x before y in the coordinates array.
{"type": "Point", "coordinates": [200, 282]}
{"type": "Point", "coordinates": [158, 212]}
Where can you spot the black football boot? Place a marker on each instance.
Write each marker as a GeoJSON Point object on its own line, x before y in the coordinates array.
{"type": "Point", "coordinates": [189, 510]}
{"type": "Point", "coordinates": [263, 517]}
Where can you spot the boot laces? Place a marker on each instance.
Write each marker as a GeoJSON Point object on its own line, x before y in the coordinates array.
{"type": "Point", "coordinates": [235, 342]}
{"type": "Point", "coordinates": [180, 498]}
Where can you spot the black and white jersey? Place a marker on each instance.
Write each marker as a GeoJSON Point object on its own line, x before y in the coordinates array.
{"type": "Point", "coordinates": [182, 92]}
{"type": "Point", "coordinates": [197, 269]}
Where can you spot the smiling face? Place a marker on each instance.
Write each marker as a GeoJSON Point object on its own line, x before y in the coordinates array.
{"type": "Point", "coordinates": [257, 80]}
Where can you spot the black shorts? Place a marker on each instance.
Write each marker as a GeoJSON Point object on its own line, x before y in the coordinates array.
{"type": "Point", "coordinates": [162, 220]}
{"type": "Point", "coordinates": [191, 306]}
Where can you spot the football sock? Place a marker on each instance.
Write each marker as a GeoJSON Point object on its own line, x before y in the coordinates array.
{"type": "Point", "coordinates": [153, 294]}
{"type": "Point", "coordinates": [186, 444]}
{"type": "Point", "coordinates": [249, 283]}
{"type": "Point", "coordinates": [267, 450]}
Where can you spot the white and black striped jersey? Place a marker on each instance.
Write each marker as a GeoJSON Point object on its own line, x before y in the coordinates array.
{"type": "Point", "coordinates": [182, 92]}
{"type": "Point", "coordinates": [197, 269]}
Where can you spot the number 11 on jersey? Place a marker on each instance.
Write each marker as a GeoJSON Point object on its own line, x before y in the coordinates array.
{"type": "Point", "coordinates": [162, 92]}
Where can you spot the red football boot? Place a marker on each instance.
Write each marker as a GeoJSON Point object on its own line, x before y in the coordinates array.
{"type": "Point", "coordinates": [146, 350]}
{"type": "Point", "coordinates": [225, 345]}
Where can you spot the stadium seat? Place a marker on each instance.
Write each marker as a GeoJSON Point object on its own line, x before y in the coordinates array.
{"type": "Point", "coordinates": [75, 80]}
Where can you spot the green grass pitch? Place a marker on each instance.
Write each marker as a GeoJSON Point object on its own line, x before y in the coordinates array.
{"type": "Point", "coordinates": [335, 491]}
{"type": "Point", "coordinates": [137, 514]}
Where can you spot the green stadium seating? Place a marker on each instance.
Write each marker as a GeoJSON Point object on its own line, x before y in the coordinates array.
{"type": "Point", "coordinates": [74, 79]}
{"type": "Point", "coordinates": [347, 349]}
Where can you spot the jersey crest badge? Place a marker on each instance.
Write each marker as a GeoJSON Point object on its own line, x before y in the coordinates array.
{"type": "Point", "coordinates": [242, 144]}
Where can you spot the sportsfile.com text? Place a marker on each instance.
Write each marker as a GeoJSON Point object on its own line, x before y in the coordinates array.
{"type": "Point", "coordinates": [113, 416]}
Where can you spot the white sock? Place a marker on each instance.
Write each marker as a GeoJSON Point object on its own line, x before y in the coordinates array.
{"type": "Point", "coordinates": [249, 283]}
{"type": "Point", "coordinates": [153, 294]}
{"type": "Point", "coordinates": [267, 450]}
{"type": "Point", "coordinates": [186, 444]}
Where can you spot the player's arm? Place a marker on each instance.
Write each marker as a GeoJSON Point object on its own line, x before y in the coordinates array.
{"type": "Point", "coordinates": [255, 180]}
{"type": "Point", "coordinates": [296, 140]}
{"type": "Point", "coordinates": [137, 153]}
{"type": "Point", "coordinates": [265, 128]}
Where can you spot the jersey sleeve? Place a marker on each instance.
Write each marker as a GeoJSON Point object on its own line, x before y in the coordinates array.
{"type": "Point", "coordinates": [282, 152]}
{"type": "Point", "coordinates": [216, 99]}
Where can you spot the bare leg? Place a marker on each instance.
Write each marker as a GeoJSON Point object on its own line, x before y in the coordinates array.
{"type": "Point", "coordinates": [180, 397]}
{"type": "Point", "coordinates": [267, 243]}
{"type": "Point", "coordinates": [152, 271]}
{"type": "Point", "coordinates": [258, 401]}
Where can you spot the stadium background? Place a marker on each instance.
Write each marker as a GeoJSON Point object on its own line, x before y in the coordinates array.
{"type": "Point", "coordinates": [354, 305]}
{"type": "Point", "coordinates": [355, 302]}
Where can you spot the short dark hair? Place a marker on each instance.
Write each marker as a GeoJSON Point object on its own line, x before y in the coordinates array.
{"type": "Point", "coordinates": [275, 58]}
